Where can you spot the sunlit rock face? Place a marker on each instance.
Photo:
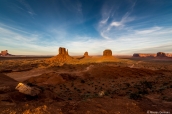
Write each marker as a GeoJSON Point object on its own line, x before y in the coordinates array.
{"type": "Point", "coordinates": [4, 53]}
{"type": "Point", "coordinates": [107, 52]}
{"type": "Point", "coordinates": [162, 54]}
{"type": "Point", "coordinates": [62, 51]}
{"type": "Point", "coordinates": [62, 56]}
{"type": "Point", "coordinates": [169, 54]}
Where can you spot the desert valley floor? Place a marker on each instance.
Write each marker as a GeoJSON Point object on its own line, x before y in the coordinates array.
{"type": "Point", "coordinates": [120, 86]}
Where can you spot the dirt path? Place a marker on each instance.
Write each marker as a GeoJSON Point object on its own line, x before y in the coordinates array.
{"type": "Point", "coordinates": [21, 76]}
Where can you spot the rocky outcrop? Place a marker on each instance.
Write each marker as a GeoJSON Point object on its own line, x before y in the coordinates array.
{"type": "Point", "coordinates": [169, 54]}
{"type": "Point", "coordinates": [4, 53]}
{"type": "Point", "coordinates": [86, 54]}
{"type": "Point", "coordinates": [107, 53]}
{"type": "Point", "coordinates": [62, 51]}
{"type": "Point", "coordinates": [161, 54]}
{"type": "Point", "coordinates": [144, 55]}
{"type": "Point", "coordinates": [25, 89]}
{"type": "Point", "coordinates": [61, 58]}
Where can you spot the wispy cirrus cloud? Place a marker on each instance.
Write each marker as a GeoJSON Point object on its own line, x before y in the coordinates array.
{"type": "Point", "coordinates": [29, 10]}
{"type": "Point", "coordinates": [109, 23]}
{"type": "Point", "coordinates": [136, 41]}
{"type": "Point", "coordinates": [148, 31]}
{"type": "Point", "coordinates": [150, 41]}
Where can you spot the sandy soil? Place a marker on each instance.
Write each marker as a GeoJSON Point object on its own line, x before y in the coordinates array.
{"type": "Point", "coordinates": [125, 86]}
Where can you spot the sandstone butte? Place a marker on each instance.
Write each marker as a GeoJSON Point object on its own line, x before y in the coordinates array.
{"type": "Point", "coordinates": [159, 54]}
{"type": "Point", "coordinates": [107, 53]}
{"type": "Point", "coordinates": [62, 57]}
{"type": "Point", "coordinates": [107, 56]}
{"type": "Point", "coordinates": [86, 55]}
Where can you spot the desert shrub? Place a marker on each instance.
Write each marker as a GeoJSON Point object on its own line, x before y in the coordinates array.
{"type": "Point", "coordinates": [69, 98]}
{"type": "Point", "coordinates": [127, 84]}
{"type": "Point", "coordinates": [78, 90]}
{"type": "Point", "coordinates": [135, 96]}
{"type": "Point", "coordinates": [165, 83]}
{"type": "Point", "coordinates": [162, 88]}
{"type": "Point", "coordinates": [107, 93]}
{"type": "Point", "coordinates": [146, 84]}
{"type": "Point", "coordinates": [170, 86]}
{"type": "Point", "coordinates": [86, 96]}
{"type": "Point", "coordinates": [72, 84]}
{"type": "Point", "coordinates": [143, 91]}
{"type": "Point", "coordinates": [82, 81]}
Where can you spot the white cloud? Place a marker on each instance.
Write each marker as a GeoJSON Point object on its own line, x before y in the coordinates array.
{"type": "Point", "coordinates": [148, 31]}
{"type": "Point", "coordinates": [116, 24]}
{"type": "Point", "coordinates": [109, 25]}
{"type": "Point", "coordinates": [28, 8]}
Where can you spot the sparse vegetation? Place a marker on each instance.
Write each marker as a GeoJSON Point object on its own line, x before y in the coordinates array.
{"type": "Point", "coordinates": [104, 80]}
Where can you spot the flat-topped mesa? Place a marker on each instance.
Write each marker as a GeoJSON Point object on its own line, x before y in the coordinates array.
{"type": "Point", "coordinates": [144, 55]}
{"type": "Point", "coordinates": [4, 53]}
{"type": "Point", "coordinates": [169, 54]}
{"type": "Point", "coordinates": [107, 53]}
{"type": "Point", "coordinates": [161, 54]}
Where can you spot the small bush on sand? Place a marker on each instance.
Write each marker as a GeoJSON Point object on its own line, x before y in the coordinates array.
{"type": "Point", "coordinates": [135, 96]}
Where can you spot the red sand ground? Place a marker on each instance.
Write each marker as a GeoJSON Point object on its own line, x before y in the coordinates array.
{"type": "Point", "coordinates": [122, 87]}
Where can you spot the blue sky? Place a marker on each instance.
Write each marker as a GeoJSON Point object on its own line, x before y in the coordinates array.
{"type": "Point", "coordinates": [40, 27]}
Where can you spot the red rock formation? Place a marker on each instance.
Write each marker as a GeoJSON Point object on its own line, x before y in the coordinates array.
{"type": "Point", "coordinates": [86, 54]}
{"type": "Point", "coordinates": [144, 55]}
{"type": "Point", "coordinates": [62, 57]}
{"type": "Point", "coordinates": [107, 52]}
{"type": "Point", "coordinates": [4, 53]}
{"type": "Point", "coordinates": [169, 54]}
{"type": "Point", "coordinates": [161, 54]}
{"type": "Point", "coordinates": [62, 51]}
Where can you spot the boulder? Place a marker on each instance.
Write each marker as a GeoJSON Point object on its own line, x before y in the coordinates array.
{"type": "Point", "coordinates": [25, 89]}
{"type": "Point", "coordinates": [107, 52]}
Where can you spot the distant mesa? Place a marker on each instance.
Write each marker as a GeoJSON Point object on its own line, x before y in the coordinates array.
{"type": "Point", "coordinates": [144, 55]}
{"type": "Point", "coordinates": [168, 54]}
{"type": "Point", "coordinates": [159, 54]}
{"type": "Point", "coordinates": [107, 53]}
{"type": "Point", "coordinates": [4, 53]}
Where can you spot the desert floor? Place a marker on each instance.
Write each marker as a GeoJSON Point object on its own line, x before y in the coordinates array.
{"type": "Point", "coordinates": [125, 85]}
